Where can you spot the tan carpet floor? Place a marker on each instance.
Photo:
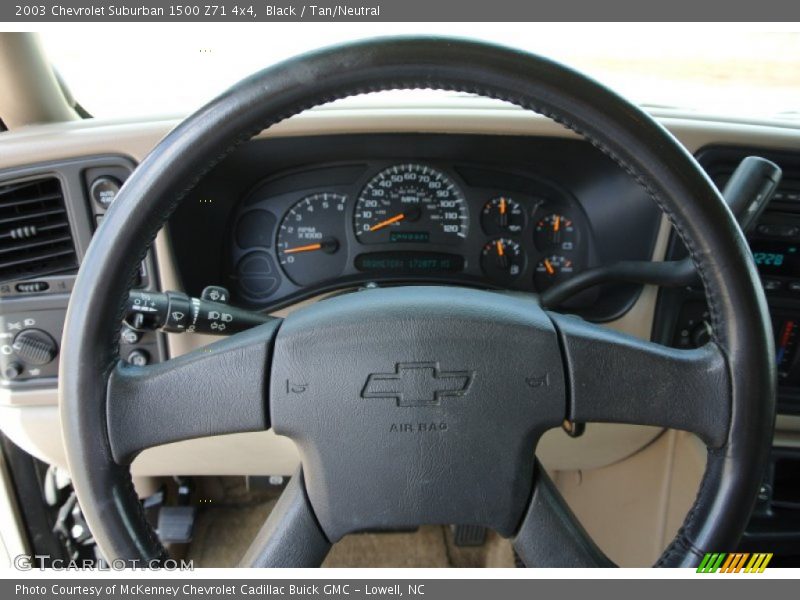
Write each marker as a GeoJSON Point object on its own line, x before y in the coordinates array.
{"type": "Point", "coordinates": [225, 528]}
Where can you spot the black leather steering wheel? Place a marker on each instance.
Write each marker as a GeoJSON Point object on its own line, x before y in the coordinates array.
{"type": "Point", "coordinates": [407, 415]}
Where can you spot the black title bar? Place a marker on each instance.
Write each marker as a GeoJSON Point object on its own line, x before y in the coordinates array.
{"type": "Point", "coordinates": [49, 11]}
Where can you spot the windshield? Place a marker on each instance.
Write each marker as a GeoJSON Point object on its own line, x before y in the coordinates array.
{"type": "Point", "coordinates": [171, 70]}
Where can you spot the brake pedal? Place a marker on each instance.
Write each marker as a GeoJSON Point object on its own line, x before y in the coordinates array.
{"type": "Point", "coordinates": [469, 535]}
{"type": "Point", "coordinates": [176, 524]}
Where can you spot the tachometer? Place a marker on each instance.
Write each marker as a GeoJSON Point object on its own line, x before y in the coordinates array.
{"type": "Point", "coordinates": [310, 239]}
{"type": "Point", "coordinates": [411, 203]}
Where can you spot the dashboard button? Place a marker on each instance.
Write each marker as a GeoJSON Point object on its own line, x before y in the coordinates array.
{"type": "Point", "coordinates": [701, 334]}
{"type": "Point", "coordinates": [104, 190]}
{"type": "Point", "coordinates": [215, 293]}
{"type": "Point", "coordinates": [772, 285]}
{"type": "Point", "coordinates": [139, 358]}
{"type": "Point", "coordinates": [32, 287]}
{"type": "Point", "coordinates": [12, 371]}
{"type": "Point", "coordinates": [794, 286]}
{"type": "Point", "coordinates": [778, 230]}
{"type": "Point", "coordinates": [130, 336]}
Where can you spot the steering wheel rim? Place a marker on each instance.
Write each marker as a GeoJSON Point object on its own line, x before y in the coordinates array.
{"type": "Point", "coordinates": [736, 426]}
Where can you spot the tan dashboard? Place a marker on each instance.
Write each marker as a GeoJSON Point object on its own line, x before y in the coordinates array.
{"type": "Point", "coordinates": [30, 418]}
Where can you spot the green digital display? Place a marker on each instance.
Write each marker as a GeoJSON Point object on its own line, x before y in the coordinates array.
{"type": "Point", "coordinates": [412, 263]}
{"type": "Point", "coordinates": [419, 237]}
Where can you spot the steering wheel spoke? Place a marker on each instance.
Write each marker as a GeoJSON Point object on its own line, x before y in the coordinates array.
{"type": "Point", "coordinates": [291, 535]}
{"type": "Point", "coordinates": [551, 535]}
{"type": "Point", "coordinates": [617, 378]}
{"type": "Point", "coordinates": [222, 388]}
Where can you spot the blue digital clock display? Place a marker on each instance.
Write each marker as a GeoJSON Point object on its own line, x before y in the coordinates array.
{"type": "Point", "coordinates": [777, 259]}
{"type": "Point", "coordinates": [769, 259]}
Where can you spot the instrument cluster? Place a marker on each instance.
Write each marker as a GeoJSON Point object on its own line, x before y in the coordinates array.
{"type": "Point", "coordinates": [341, 225]}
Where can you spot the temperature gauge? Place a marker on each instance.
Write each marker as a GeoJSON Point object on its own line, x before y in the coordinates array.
{"type": "Point", "coordinates": [502, 215]}
{"type": "Point", "coordinates": [555, 232]}
{"type": "Point", "coordinates": [552, 269]}
{"type": "Point", "coordinates": [502, 260]}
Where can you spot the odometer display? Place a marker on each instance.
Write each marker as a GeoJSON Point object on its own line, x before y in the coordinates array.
{"type": "Point", "coordinates": [411, 203]}
{"type": "Point", "coordinates": [409, 263]}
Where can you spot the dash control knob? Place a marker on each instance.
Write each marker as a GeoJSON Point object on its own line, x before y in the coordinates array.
{"type": "Point", "coordinates": [139, 358]}
{"type": "Point", "coordinates": [35, 347]}
{"type": "Point", "coordinates": [701, 334]}
{"type": "Point", "coordinates": [13, 370]}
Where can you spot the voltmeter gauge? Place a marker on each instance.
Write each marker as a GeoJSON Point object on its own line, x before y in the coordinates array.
{"type": "Point", "coordinates": [502, 260]}
{"type": "Point", "coordinates": [555, 232]}
{"type": "Point", "coordinates": [552, 269]}
{"type": "Point", "coordinates": [502, 216]}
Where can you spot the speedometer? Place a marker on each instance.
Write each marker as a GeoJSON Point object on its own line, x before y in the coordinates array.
{"type": "Point", "coordinates": [411, 203]}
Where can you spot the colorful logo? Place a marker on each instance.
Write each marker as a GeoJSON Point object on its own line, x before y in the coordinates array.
{"type": "Point", "coordinates": [720, 562]}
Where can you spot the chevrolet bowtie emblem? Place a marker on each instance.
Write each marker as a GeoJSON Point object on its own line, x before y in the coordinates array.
{"type": "Point", "coordinates": [418, 384]}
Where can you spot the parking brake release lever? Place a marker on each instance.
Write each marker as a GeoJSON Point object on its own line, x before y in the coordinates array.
{"type": "Point", "coordinates": [747, 193]}
{"type": "Point", "coordinates": [176, 312]}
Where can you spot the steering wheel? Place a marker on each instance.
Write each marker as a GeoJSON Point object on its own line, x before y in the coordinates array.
{"type": "Point", "coordinates": [406, 414]}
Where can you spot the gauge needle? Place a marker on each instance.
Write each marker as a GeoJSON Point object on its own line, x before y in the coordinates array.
{"type": "Point", "coordinates": [502, 206]}
{"type": "Point", "coordinates": [328, 245]}
{"type": "Point", "coordinates": [500, 250]}
{"type": "Point", "coordinates": [388, 222]}
{"type": "Point", "coordinates": [549, 267]}
{"type": "Point", "coordinates": [557, 224]}
{"type": "Point", "coordinates": [308, 248]}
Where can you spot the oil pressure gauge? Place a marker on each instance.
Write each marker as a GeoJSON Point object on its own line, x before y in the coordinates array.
{"type": "Point", "coordinates": [502, 216]}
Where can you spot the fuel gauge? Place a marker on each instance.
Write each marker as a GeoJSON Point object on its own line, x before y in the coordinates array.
{"type": "Point", "coordinates": [552, 269]}
{"type": "Point", "coordinates": [502, 260]}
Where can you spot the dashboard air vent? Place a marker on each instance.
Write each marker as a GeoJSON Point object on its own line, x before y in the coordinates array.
{"type": "Point", "coordinates": [720, 163]}
{"type": "Point", "coordinates": [35, 237]}
{"type": "Point", "coordinates": [789, 189]}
